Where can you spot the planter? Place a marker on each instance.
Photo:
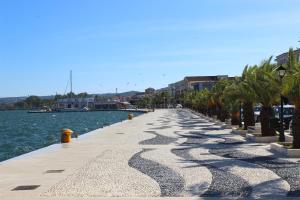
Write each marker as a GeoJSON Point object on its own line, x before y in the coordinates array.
{"type": "Point", "coordinates": [240, 132]}
{"type": "Point", "coordinates": [260, 139]}
{"type": "Point", "coordinates": [291, 153]}
{"type": "Point", "coordinates": [254, 129]}
{"type": "Point", "coordinates": [228, 121]}
{"type": "Point", "coordinates": [211, 120]}
{"type": "Point", "coordinates": [289, 138]}
{"type": "Point", "coordinates": [226, 126]}
{"type": "Point", "coordinates": [217, 122]}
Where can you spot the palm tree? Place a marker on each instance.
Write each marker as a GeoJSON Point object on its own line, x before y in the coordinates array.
{"type": "Point", "coordinates": [217, 92]}
{"type": "Point", "coordinates": [200, 101]}
{"type": "Point", "coordinates": [211, 104]}
{"type": "Point", "coordinates": [247, 96]}
{"type": "Point", "coordinates": [291, 88]}
{"type": "Point", "coordinates": [161, 99]}
{"type": "Point", "coordinates": [188, 97]}
{"type": "Point", "coordinates": [267, 89]}
{"type": "Point", "coordinates": [232, 102]}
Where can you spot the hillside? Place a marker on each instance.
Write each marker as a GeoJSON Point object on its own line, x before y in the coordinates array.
{"type": "Point", "coordinates": [6, 100]}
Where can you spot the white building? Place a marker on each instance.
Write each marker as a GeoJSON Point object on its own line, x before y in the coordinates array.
{"type": "Point", "coordinates": [75, 103]}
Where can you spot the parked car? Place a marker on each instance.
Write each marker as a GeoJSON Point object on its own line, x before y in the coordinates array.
{"type": "Point", "coordinates": [257, 110]}
{"type": "Point", "coordinates": [290, 127]}
{"type": "Point", "coordinates": [288, 112]}
{"type": "Point", "coordinates": [178, 106]}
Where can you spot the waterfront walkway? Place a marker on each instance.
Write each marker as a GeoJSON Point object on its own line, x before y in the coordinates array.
{"type": "Point", "coordinates": [167, 153]}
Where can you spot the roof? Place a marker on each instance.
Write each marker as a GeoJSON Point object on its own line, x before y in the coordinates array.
{"type": "Point", "coordinates": [297, 51]}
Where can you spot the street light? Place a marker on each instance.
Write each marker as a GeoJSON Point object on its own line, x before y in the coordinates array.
{"type": "Point", "coordinates": [281, 72]}
{"type": "Point", "coordinates": [240, 122]}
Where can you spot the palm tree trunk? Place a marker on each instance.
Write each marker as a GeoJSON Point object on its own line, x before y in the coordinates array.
{"type": "Point", "coordinates": [219, 111]}
{"type": "Point", "coordinates": [296, 129]}
{"type": "Point", "coordinates": [248, 115]}
{"type": "Point", "coordinates": [209, 112]}
{"type": "Point", "coordinates": [235, 118]}
{"type": "Point", "coordinates": [212, 110]}
{"type": "Point", "coordinates": [266, 114]}
{"type": "Point", "coordinates": [224, 115]}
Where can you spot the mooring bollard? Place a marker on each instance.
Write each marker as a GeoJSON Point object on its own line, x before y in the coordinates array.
{"type": "Point", "coordinates": [130, 116]}
{"type": "Point", "coordinates": [66, 135]}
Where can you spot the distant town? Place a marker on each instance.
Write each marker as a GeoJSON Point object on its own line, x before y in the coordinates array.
{"type": "Point", "coordinates": [160, 98]}
{"type": "Point", "coordinates": [151, 98]}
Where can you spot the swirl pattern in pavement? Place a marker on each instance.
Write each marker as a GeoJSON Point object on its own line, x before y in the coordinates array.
{"type": "Point", "coordinates": [170, 182]}
{"type": "Point", "coordinates": [287, 170]}
{"type": "Point", "coordinates": [223, 183]}
{"type": "Point", "coordinates": [158, 139]}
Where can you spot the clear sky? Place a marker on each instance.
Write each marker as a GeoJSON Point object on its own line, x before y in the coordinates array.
{"type": "Point", "coordinates": [134, 44]}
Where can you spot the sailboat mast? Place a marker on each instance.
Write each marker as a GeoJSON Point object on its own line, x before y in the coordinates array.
{"type": "Point", "coordinates": [71, 83]}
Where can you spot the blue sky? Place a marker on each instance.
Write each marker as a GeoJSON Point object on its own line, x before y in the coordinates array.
{"type": "Point", "coordinates": [134, 44]}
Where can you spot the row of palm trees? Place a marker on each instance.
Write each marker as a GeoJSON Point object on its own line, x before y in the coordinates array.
{"type": "Point", "coordinates": [158, 100]}
{"type": "Point", "coordinates": [258, 84]}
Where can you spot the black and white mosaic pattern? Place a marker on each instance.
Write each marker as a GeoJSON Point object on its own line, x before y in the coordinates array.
{"type": "Point", "coordinates": [287, 170]}
{"type": "Point", "coordinates": [223, 183]}
{"type": "Point", "coordinates": [158, 139]}
{"type": "Point", "coordinates": [170, 182]}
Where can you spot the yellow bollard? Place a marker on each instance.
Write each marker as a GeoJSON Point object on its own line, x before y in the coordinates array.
{"type": "Point", "coordinates": [130, 116]}
{"type": "Point", "coordinates": [66, 135]}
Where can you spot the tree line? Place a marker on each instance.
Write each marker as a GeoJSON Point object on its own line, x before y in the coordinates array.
{"type": "Point", "coordinates": [158, 100]}
{"type": "Point", "coordinates": [258, 84]}
{"type": "Point", "coordinates": [34, 102]}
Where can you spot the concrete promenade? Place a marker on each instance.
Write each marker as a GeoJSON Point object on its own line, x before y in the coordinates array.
{"type": "Point", "coordinates": [167, 154]}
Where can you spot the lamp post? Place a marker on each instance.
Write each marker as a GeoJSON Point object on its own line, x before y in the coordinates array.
{"type": "Point", "coordinates": [240, 122]}
{"type": "Point", "coordinates": [281, 72]}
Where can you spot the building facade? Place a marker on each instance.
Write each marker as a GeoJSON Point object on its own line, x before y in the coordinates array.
{"type": "Point", "coordinates": [161, 90]}
{"type": "Point", "coordinates": [68, 103]}
{"type": "Point", "coordinates": [194, 83]}
{"type": "Point", "coordinates": [177, 88]}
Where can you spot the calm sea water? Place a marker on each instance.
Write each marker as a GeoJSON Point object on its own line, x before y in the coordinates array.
{"type": "Point", "coordinates": [22, 132]}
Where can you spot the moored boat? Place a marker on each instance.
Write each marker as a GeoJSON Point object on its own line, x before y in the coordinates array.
{"type": "Point", "coordinates": [45, 109]}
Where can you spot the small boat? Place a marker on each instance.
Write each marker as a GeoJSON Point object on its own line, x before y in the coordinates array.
{"type": "Point", "coordinates": [85, 109]}
{"type": "Point", "coordinates": [73, 103]}
{"type": "Point", "coordinates": [45, 109]}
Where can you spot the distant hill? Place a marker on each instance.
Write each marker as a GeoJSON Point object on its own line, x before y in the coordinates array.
{"type": "Point", "coordinates": [124, 94]}
{"type": "Point", "coordinates": [11, 99]}
{"type": "Point", "coordinates": [7, 100]}
{"type": "Point", "coordinates": [18, 99]}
